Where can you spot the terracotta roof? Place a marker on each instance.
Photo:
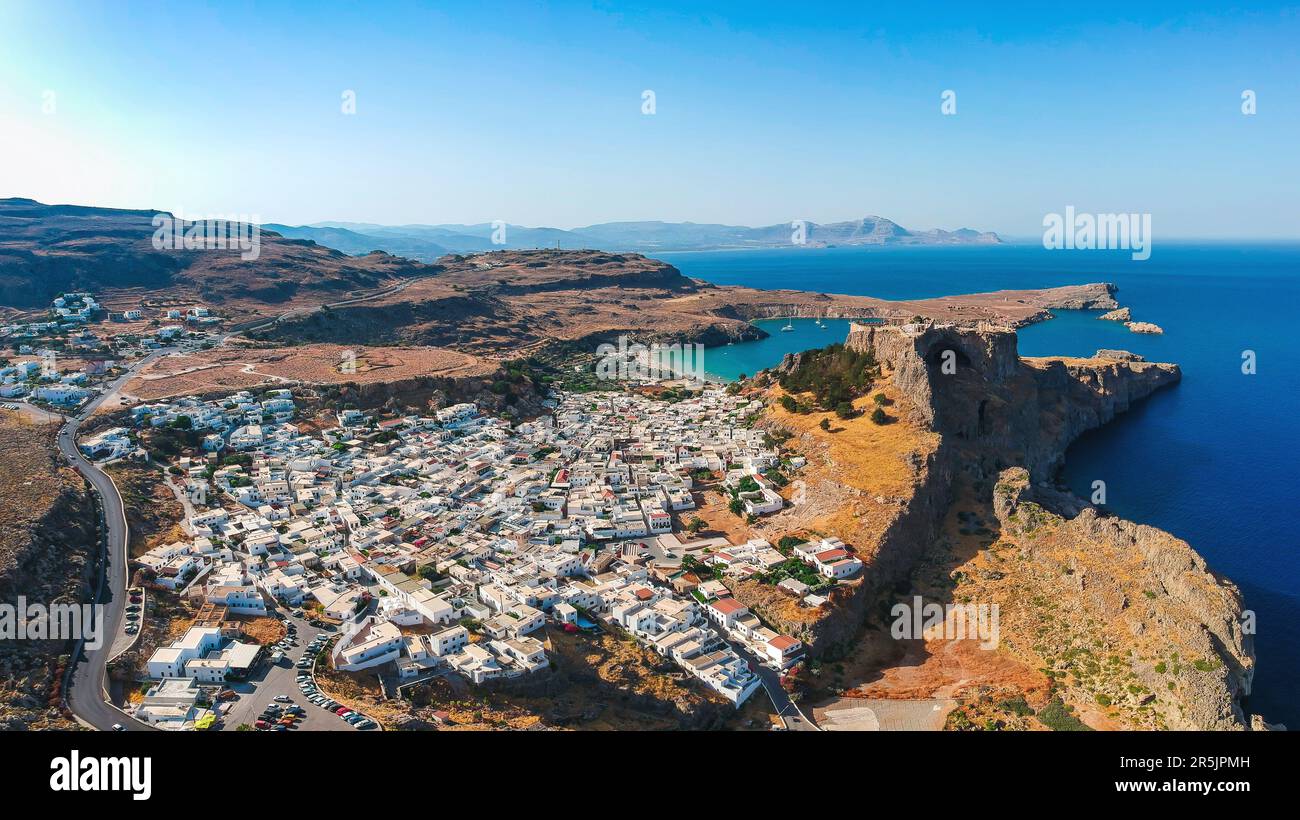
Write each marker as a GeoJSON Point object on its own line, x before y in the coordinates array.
{"type": "Point", "coordinates": [831, 555]}
{"type": "Point", "coordinates": [727, 606]}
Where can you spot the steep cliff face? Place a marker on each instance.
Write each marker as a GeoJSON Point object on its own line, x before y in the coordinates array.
{"type": "Point", "coordinates": [1173, 627]}
{"type": "Point", "coordinates": [970, 384]}
{"type": "Point", "coordinates": [1174, 647]}
{"type": "Point", "coordinates": [889, 535]}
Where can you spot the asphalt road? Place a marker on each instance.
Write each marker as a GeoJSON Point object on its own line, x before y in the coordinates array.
{"type": "Point", "coordinates": [786, 709]}
{"type": "Point", "coordinates": [88, 693]}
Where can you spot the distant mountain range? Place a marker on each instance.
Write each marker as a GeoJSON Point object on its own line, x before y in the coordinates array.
{"type": "Point", "coordinates": [48, 249]}
{"type": "Point", "coordinates": [428, 242]}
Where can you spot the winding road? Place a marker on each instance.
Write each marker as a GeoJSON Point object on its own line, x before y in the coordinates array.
{"type": "Point", "coordinates": [88, 690]}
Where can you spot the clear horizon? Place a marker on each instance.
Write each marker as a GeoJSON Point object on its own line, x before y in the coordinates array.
{"type": "Point", "coordinates": [534, 114]}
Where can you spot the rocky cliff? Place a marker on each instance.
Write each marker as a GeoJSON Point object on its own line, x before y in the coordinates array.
{"type": "Point", "coordinates": [1010, 420]}
{"type": "Point", "coordinates": [1172, 626]}
{"type": "Point", "coordinates": [1137, 621]}
{"type": "Point", "coordinates": [970, 384]}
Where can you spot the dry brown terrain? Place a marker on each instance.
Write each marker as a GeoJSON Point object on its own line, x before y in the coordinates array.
{"type": "Point", "coordinates": [858, 472]}
{"type": "Point", "coordinates": [511, 303]}
{"type": "Point", "coordinates": [239, 368]}
{"type": "Point", "coordinates": [48, 249]}
{"type": "Point", "coordinates": [47, 538]}
{"type": "Point", "coordinates": [153, 513]}
{"type": "Point", "coordinates": [1109, 611]}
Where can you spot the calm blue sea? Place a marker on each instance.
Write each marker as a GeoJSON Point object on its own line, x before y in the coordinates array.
{"type": "Point", "coordinates": [1211, 460]}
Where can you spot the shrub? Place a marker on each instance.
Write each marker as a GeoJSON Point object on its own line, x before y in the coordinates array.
{"type": "Point", "coordinates": [1056, 716]}
{"type": "Point", "coordinates": [878, 416]}
{"type": "Point", "coordinates": [1017, 705]}
{"type": "Point", "coordinates": [834, 374]}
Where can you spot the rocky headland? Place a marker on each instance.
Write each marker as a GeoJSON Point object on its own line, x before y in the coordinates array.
{"type": "Point", "coordinates": [508, 304]}
{"type": "Point", "coordinates": [1123, 623]}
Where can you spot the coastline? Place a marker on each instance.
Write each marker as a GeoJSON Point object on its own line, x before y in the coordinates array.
{"type": "Point", "coordinates": [976, 451]}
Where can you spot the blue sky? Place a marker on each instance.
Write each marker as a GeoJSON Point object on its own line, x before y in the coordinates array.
{"type": "Point", "coordinates": [531, 113]}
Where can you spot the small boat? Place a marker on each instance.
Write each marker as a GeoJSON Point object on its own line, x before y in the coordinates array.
{"type": "Point", "coordinates": [788, 327]}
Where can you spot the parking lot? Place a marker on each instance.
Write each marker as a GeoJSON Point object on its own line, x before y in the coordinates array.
{"type": "Point", "coordinates": [272, 680]}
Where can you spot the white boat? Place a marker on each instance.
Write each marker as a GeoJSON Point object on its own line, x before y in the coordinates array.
{"type": "Point", "coordinates": [788, 327]}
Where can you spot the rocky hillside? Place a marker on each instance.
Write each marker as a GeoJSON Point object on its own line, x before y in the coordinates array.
{"type": "Point", "coordinates": [1140, 593]}
{"type": "Point", "coordinates": [1006, 410]}
{"type": "Point", "coordinates": [512, 303]}
{"type": "Point", "coordinates": [48, 538]}
{"type": "Point", "coordinates": [1125, 617]}
{"type": "Point", "coordinates": [48, 249]}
